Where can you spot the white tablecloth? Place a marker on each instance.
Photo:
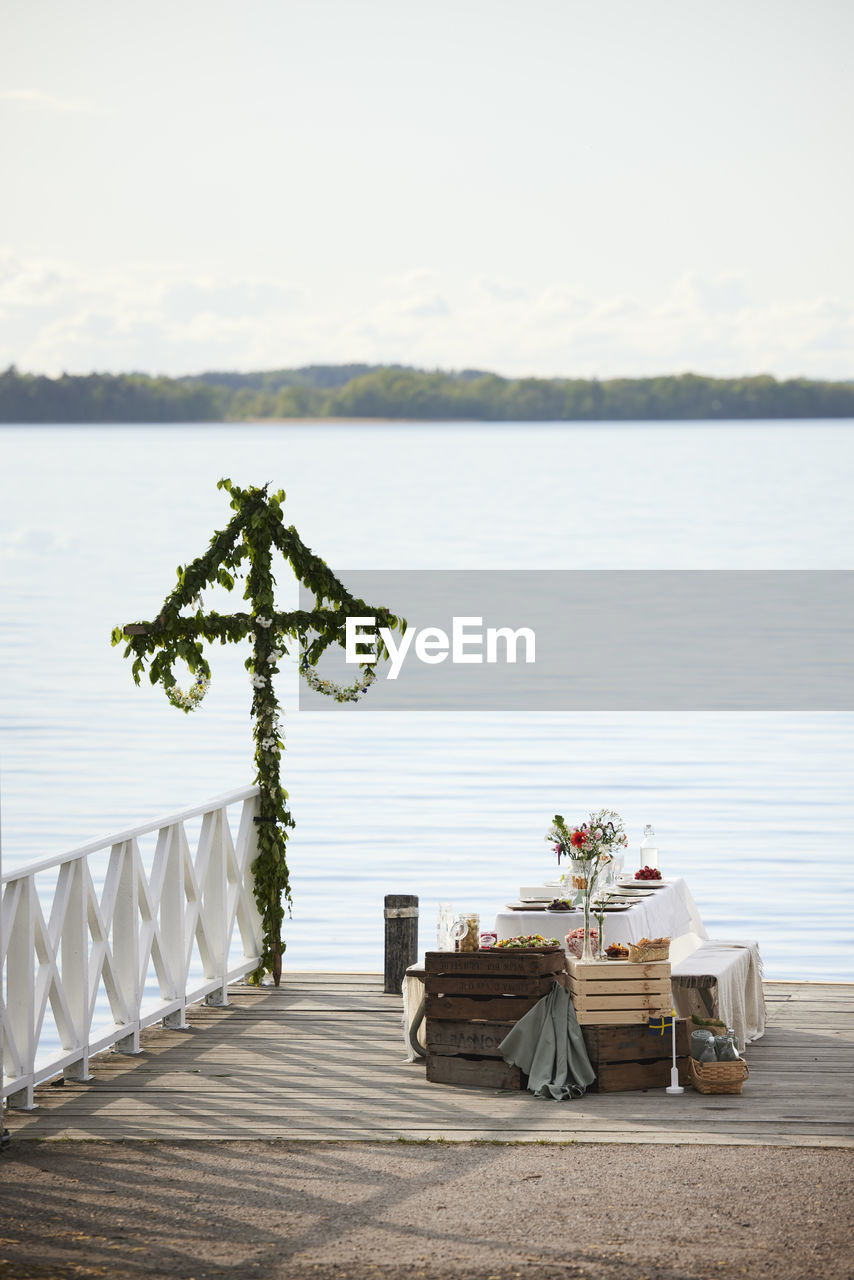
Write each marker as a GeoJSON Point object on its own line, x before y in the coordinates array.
{"type": "Point", "coordinates": [738, 998]}
{"type": "Point", "coordinates": [668, 912]}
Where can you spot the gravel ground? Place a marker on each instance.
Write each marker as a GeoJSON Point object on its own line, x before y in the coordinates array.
{"type": "Point", "coordinates": [446, 1211]}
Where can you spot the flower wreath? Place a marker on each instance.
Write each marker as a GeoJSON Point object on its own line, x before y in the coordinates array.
{"type": "Point", "coordinates": [191, 699]}
{"type": "Point", "coordinates": [340, 692]}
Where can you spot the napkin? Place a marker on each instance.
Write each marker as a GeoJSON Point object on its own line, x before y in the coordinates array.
{"type": "Point", "coordinates": [548, 1046]}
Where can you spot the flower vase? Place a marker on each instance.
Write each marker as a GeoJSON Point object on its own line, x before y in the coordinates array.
{"type": "Point", "coordinates": [601, 953]}
{"type": "Point", "coordinates": [579, 876]}
{"type": "Point", "coordinates": [587, 954]}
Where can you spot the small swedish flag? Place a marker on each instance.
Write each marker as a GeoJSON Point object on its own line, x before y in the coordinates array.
{"type": "Point", "coordinates": [658, 1026]}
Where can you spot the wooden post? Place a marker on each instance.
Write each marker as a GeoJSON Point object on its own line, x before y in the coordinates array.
{"type": "Point", "coordinates": [401, 939]}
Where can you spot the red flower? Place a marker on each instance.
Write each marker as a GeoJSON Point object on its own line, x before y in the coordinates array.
{"type": "Point", "coordinates": [577, 839]}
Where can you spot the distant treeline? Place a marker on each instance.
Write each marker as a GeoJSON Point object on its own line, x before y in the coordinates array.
{"type": "Point", "coordinates": [392, 391]}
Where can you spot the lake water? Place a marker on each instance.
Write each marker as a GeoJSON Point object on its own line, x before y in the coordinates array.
{"type": "Point", "coordinates": [756, 810]}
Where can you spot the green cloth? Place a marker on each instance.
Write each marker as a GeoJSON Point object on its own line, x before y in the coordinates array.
{"type": "Point", "coordinates": [548, 1046]}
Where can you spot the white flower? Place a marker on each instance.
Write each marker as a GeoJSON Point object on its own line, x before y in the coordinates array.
{"type": "Point", "coordinates": [258, 681]}
{"type": "Point", "coordinates": [267, 743]}
{"type": "Point", "coordinates": [264, 622]}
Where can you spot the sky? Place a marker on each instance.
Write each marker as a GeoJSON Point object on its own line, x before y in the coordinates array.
{"type": "Point", "coordinates": [535, 187]}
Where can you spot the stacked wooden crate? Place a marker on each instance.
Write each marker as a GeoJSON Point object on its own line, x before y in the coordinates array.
{"type": "Point", "coordinates": [614, 1001]}
{"type": "Point", "coordinates": [618, 992]}
{"type": "Point", "coordinates": [627, 1057]}
{"type": "Point", "coordinates": [474, 998]}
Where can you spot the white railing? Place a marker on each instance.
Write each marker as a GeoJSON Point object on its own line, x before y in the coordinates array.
{"type": "Point", "coordinates": [172, 925]}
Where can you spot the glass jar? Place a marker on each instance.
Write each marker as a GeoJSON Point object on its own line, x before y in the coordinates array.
{"type": "Point", "coordinates": [467, 932]}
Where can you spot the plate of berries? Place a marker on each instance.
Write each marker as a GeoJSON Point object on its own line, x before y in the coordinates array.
{"type": "Point", "coordinates": [649, 875]}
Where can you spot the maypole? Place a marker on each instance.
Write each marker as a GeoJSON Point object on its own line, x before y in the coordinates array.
{"type": "Point", "coordinates": [247, 544]}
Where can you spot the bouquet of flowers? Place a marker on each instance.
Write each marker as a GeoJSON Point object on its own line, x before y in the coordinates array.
{"type": "Point", "coordinates": [597, 840]}
{"type": "Point", "coordinates": [591, 847]}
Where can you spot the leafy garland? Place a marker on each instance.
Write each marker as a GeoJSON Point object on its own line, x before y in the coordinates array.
{"type": "Point", "coordinates": [247, 543]}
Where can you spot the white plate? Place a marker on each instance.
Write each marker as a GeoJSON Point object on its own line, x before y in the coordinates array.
{"type": "Point", "coordinates": [631, 882]}
{"type": "Point", "coordinates": [612, 906]}
{"type": "Point", "coordinates": [549, 912]}
{"type": "Point", "coordinates": [526, 906]}
{"type": "Point", "coordinates": [537, 893]}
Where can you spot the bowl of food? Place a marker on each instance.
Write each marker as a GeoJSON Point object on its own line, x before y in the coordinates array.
{"type": "Point", "coordinates": [575, 941]}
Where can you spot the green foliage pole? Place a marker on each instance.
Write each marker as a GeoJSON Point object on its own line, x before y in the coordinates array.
{"type": "Point", "coordinates": [255, 531]}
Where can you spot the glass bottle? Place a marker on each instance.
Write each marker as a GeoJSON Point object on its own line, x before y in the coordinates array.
{"type": "Point", "coordinates": [649, 848]}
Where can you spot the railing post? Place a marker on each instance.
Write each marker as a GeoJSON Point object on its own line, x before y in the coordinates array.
{"type": "Point", "coordinates": [215, 908]}
{"type": "Point", "coordinates": [248, 916]}
{"type": "Point", "coordinates": [173, 910]}
{"type": "Point", "coordinates": [20, 987]}
{"type": "Point", "coordinates": [401, 938]}
{"type": "Point", "coordinates": [126, 944]}
{"type": "Point", "coordinates": [74, 946]}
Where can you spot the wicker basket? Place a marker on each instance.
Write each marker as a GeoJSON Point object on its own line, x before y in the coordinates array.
{"type": "Point", "coordinates": [718, 1077]}
{"type": "Point", "coordinates": [643, 955]}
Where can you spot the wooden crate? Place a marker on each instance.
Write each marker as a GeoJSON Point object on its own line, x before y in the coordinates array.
{"type": "Point", "coordinates": [495, 963]}
{"type": "Point", "coordinates": [618, 992]}
{"type": "Point", "coordinates": [628, 1057]}
{"type": "Point", "coordinates": [490, 986]}
{"type": "Point", "coordinates": [473, 1000]}
{"type": "Point", "coordinates": [480, 1039]}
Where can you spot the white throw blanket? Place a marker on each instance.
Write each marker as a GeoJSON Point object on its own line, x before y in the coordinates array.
{"type": "Point", "coordinates": [413, 994]}
{"type": "Point", "coordinates": [738, 997]}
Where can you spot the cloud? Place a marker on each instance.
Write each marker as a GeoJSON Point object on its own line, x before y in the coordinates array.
{"type": "Point", "coordinates": [503, 291]}
{"type": "Point", "coordinates": [53, 318]}
{"type": "Point", "coordinates": [724, 294]}
{"type": "Point", "coordinates": [45, 101]}
{"type": "Point", "coordinates": [34, 541]}
{"type": "Point", "coordinates": [188, 299]}
{"type": "Point", "coordinates": [427, 307]}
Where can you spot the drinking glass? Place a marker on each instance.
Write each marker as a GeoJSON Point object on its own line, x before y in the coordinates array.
{"type": "Point", "coordinates": [444, 932]}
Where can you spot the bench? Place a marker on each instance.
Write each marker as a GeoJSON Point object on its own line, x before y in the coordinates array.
{"type": "Point", "coordinates": [715, 979]}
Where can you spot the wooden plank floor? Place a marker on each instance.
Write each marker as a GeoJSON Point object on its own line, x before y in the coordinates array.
{"type": "Point", "coordinates": [323, 1058]}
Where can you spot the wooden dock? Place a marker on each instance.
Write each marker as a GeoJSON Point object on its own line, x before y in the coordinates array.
{"type": "Point", "coordinates": [322, 1058]}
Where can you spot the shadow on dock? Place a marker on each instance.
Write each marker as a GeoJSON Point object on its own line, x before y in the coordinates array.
{"type": "Point", "coordinates": [322, 1058]}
